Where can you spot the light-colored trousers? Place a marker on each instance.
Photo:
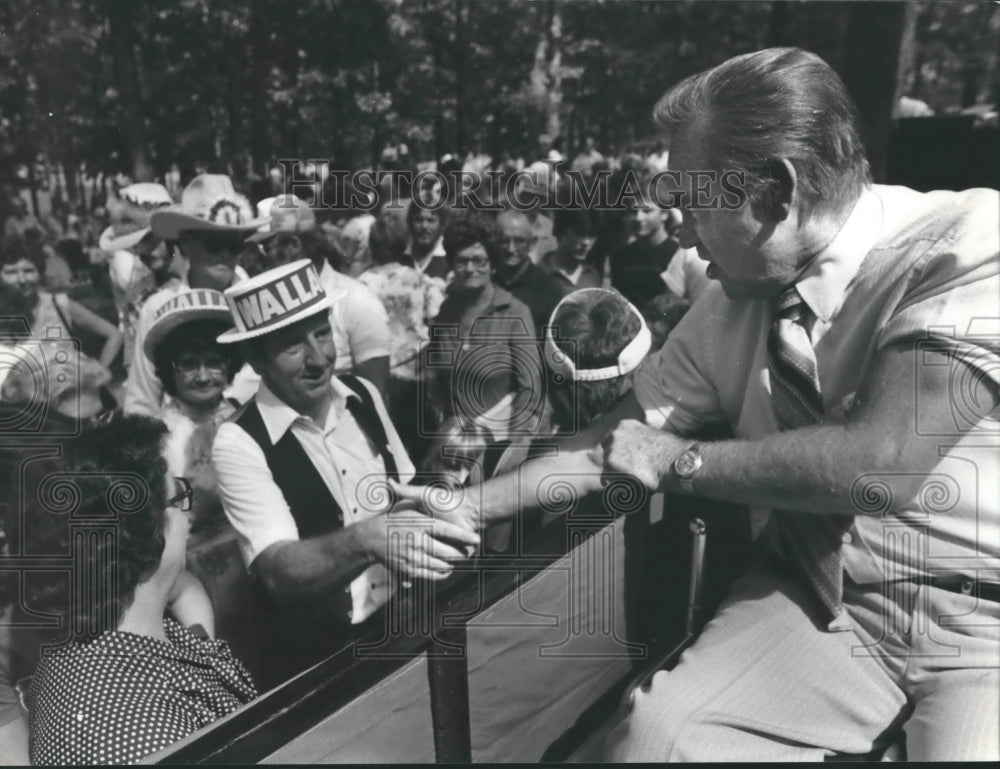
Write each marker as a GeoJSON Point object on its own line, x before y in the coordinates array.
{"type": "Point", "coordinates": [765, 683]}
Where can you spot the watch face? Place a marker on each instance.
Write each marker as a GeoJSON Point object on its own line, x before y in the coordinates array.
{"type": "Point", "coordinates": [687, 463]}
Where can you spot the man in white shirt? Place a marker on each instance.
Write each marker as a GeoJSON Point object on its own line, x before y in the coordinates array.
{"type": "Point", "coordinates": [302, 472]}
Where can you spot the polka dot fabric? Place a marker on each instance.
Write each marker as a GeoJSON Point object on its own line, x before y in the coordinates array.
{"type": "Point", "coordinates": [124, 696]}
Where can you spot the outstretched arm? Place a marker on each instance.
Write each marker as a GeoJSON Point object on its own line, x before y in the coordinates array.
{"type": "Point", "coordinates": [81, 317]}
{"type": "Point", "coordinates": [189, 603]}
{"type": "Point", "coordinates": [575, 470]}
{"type": "Point", "coordinates": [404, 541]}
{"type": "Point", "coordinates": [815, 469]}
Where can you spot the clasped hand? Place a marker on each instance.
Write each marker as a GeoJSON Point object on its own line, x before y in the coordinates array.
{"type": "Point", "coordinates": [636, 449]}
{"type": "Point", "coordinates": [416, 545]}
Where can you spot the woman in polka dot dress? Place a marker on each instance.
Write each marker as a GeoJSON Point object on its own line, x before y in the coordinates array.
{"type": "Point", "coordinates": [130, 680]}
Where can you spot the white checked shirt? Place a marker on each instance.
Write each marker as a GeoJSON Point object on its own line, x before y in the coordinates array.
{"type": "Point", "coordinates": [346, 461]}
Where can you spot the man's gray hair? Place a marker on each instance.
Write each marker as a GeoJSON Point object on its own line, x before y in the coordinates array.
{"type": "Point", "coordinates": [771, 104]}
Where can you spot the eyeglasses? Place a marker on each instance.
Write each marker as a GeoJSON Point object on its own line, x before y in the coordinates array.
{"type": "Point", "coordinates": [191, 365]}
{"type": "Point", "coordinates": [479, 262]}
{"type": "Point", "coordinates": [185, 496]}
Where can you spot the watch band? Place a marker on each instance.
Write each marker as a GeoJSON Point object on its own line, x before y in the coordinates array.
{"type": "Point", "coordinates": [686, 466]}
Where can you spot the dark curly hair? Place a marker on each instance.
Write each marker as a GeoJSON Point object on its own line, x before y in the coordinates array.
{"type": "Point", "coordinates": [417, 205]}
{"type": "Point", "coordinates": [467, 230]}
{"type": "Point", "coordinates": [197, 336]}
{"type": "Point", "coordinates": [102, 503]}
{"type": "Point", "coordinates": [592, 331]}
{"type": "Point", "coordinates": [16, 247]}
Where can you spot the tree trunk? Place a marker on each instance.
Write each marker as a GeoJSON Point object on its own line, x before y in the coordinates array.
{"type": "Point", "coordinates": [870, 73]}
{"type": "Point", "coordinates": [461, 79]}
{"type": "Point", "coordinates": [777, 33]}
{"type": "Point", "coordinates": [907, 52]}
{"type": "Point", "coordinates": [553, 122]}
{"type": "Point", "coordinates": [259, 59]}
{"type": "Point", "coordinates": [122, 36]}
{"type": "Point", "coordinates": [546, 72]}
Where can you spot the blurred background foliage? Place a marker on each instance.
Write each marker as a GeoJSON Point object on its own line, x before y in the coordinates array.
{"type": "Point", "coordinates": [119, 85]}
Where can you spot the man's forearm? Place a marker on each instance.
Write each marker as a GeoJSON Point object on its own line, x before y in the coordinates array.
{"type": "Point", "coordinates": [310, 568]}
{"type": "Point", "coordinates": [814, 470]}
{"type": "Point", "coordinates": [535, 484]}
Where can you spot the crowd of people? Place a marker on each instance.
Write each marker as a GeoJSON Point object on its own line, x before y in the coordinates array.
{"type": "Point", "coordinates": [292, 374]}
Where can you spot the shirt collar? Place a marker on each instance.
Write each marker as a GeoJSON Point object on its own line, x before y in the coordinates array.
{"type": "Point", "coordinates": [421, 264]}
{"type": "Point", "coordinates": [334, 283]}
{"type": "Point", "coordinates": [573, 276]}
{"type": "Point", "coordinates": [523, 275]}
{"type": "Point", "coordinates": [278, 416]}
{"type": "Point", "coordinates": [823, 285]}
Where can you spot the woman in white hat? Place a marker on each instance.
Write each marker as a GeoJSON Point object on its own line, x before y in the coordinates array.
{"type": "Point", "coordinates": [195, 371]}
{"type": "Point", "coordinates": [209, 226]}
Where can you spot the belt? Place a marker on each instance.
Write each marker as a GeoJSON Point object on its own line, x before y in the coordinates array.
{"type": "Point", "coordinates": [989, 591]}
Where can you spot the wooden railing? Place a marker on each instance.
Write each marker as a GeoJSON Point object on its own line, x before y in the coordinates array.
{"type": "Point", "coordinates": [493, 664]}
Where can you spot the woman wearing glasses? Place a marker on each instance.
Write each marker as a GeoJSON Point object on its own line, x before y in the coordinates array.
{"type": "Point", "coordinates": [195, 371]}
{"type": "Point", "coordinates": [209, 226]}
{"type": "Point", "coordinates": [482, 362]}
{"type": "Point", "coordinates": [131, 680]}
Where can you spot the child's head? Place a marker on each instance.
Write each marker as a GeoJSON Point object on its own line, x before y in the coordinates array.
{"type": "Point", "coordinates": [594, 340]}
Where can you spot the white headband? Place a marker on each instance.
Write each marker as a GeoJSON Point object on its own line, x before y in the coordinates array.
{"type": "Point", "coordinates": [628, 359]}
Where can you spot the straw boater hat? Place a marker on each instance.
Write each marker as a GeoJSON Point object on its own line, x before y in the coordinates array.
{"type": "Point", "coordinates": [130, 215]}
{"type": "Point", "coordinates": [208, 204]}
{"type": "Point", "coordinates": [287, 213]}
{"type": "Point", "coordinates": [183, 307]}
{"type": "Point", "coordinates": [273, 300]}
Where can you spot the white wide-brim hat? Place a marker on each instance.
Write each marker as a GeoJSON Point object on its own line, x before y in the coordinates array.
{"type": "Point", "coordinates": [285, 213]}
{"type": "Point", "coordinates": [273, 300]}
{"type": "Point", "coordinates": [184, 307]}
{"type": "Point", "coordinates": [208, 204]}
{"type": "Point", "coordinates": [131, 214]}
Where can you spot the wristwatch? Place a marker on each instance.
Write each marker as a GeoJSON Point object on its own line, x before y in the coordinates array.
{"type": "Point", "coordinates": [686, 467]}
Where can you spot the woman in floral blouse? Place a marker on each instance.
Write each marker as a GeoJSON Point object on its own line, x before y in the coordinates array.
{"type": "Point", "coordinates": [411, 299]}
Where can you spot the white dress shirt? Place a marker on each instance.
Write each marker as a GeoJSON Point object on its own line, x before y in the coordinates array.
{"type": "Point", "coordinates": [342, 454]}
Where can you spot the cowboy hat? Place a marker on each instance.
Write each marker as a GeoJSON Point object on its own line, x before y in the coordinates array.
{"type": "Point", "coordinates": [130, 215]}
{"type": "Point", "coordinates": [182, 307]}
{"type": "Point", "coordinates": [208, 204]}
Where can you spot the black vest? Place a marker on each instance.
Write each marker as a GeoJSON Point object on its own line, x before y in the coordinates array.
{"type": "Point", "coordinates": [294, 638]}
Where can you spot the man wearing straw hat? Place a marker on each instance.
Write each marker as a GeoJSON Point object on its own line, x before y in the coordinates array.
{"type": "Point", "coordinates": [209, 226]}
{"type": "Point", "coordinates": [358, 319]}
{"type": "Point", "coordinates": [302, 473]}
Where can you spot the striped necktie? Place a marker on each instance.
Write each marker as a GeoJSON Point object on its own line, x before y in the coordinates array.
{"type": "Point", "coordinates": [810, 543]}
